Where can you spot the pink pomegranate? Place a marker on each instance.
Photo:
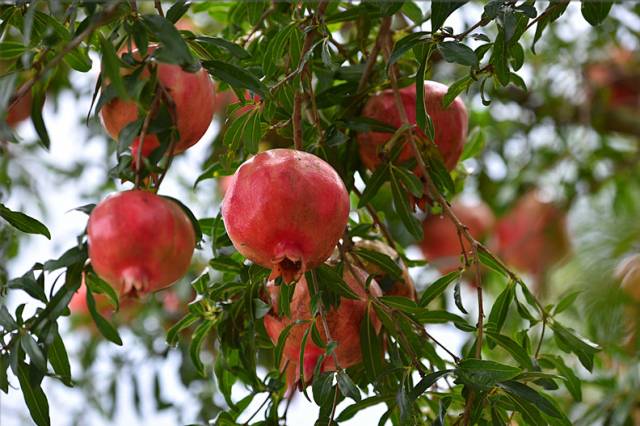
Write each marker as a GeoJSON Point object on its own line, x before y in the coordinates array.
{"type": "Point", "coordinates": [533, 235]}
{"type": "Point", "coordinates": [344, 325]}
{"type": "Point", "coordinates": [139, 242]}
{"type": "Point", "coordinates": [285, 210]}
{"type": "Point", "coordinates": [450, 124]}
{"type": "Point", "coordinates": [441, 245]}
{"type": "Point", "coordinates": [193, 96]}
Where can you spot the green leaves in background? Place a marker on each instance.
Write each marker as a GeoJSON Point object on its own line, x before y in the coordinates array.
{"type": "Point", "coordinates": [23, 223]}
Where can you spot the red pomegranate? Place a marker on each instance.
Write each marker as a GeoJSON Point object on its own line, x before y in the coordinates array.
{"type": "Point", "coordinates": [344, 325]}
{"type": "Point", "coordinates": [450, 124]}
{"type": "Point", "coordinates": [139, 242]}
{"type": "Point", "coordinates": [20, 111]}
{"type": "Point", "coordinates": [441, 244]}
{"type": "Point", "coordinates": [285, 210]}
{"type": "Point", "coordinates": [193, 96]}
{"type": "Point", "coordinates": [533, 235]}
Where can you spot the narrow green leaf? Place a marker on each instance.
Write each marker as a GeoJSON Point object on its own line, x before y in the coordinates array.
{"type": "Point", "coordinates": [440, 11]}
{"type": "Point", "coordinates": [173, 48]}
{"type": "Point", "coordinates": [11, 49]}
{"type": "Point", "coordinates": [387, 264]}
{"type": "Point", "coordinates": [455, 89]}
{"type": "Point", "coordinates": [196, 343]}
{"type": "Point", "coordinates": [6, 320]}
{"type": "Point", "coordinates": [111, 67]}
{"type": "Point", "coordinates": [353, 409]}
{"type": "Point", "coordinates": [104, 326]}
{"type": "Point", "coordinates": [372, 348]}
{"type": "Point", "coordinates": [347, 387]}
{"type": "Point", "coordinates": [436, 289]}
{"type": "Point", "coordinates": [233, 48]}
{"type": "Point", "coordinates": [458, 53]}
{"type": "Point", "coordinates": [59, 359]}
{"type": "Point", "coordinates": [187, 321]}
{"type": "Point", "coordinates": [23, 223]}
{"type": "Point", "coordinates": [401, 303]}
{"type": "Point", "coordinates": [569, 342]}
{"type": "Point", "coordinates": [500, 308]}
{"type": "Point", "coordinates": [275, 50]}
{"type": "Point", "coordinates": [410, 181]}
{"type": "Point", "coordinates": [475, 144]}
{"type": "Point", "coordinates": [517, 352]}
{"type": "Point", "coordinates": [566, 302]}
{"type": "Point", "coordinates": [484, 374]}
{"type": "Point", "coordinates": [520, 390]}
{"type": "Point", "coordinates": [401, 202]}
{"type": "Point", "coordinates": [330, 278]}
{"type": "Point", "coordinates": [32, 349]}
{"type": "Point", "coordinates": [235, 76]}
{"type": "Point", "coordinates": [377, 179]}
{"type": "Point", "coordinates": [34, 397]}
{"type": "Point", "coordinates": [427, 381]}
{"type": "Point", "coordinates": [78, 59]}
{"type": "Point", "coordinates": [595, 11]}
{"type": "Point", "coordinates": [98, 285]}
{"type": "Point", "coordinates": [405, 44]}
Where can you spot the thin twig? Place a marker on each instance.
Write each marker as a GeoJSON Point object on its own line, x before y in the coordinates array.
{"type": "Point", "coordinates": [544, 326]}
{"type": "Point", "coordinates": [297, 121]}
{"type": "Point", "coordinates": [75, 42]}
{"type": "Point", "coordinates": [166, 97]}
{"type": "Point", "coordinates": [258, 25]}
{"type": "Point", "coordinates": [158, 5]}
{"type": "Point", "coordinates": [373, 55]}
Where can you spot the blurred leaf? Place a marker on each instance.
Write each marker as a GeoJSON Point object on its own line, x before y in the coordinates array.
{"type": "Point", "coordinates": [11, 50]}
{"type": "Point", "coordinates": [454, 90]}
{"type": "Point", "coordinates": [458, 53]}
{"type": "Point", "coordinates": [4, 365]}
{"type": "Point", "coordinates": [457, 298]}
{"type": "Point", "coordinates": [347, 387]}
{"type": "Point", "coordinates": [23, 223]}
{"type": "Point", "coordinates": [260, 308]}
{"type": "Point", "coordinates": [440, 11]}
{"type": "Point", "coordinates": [275, 50]}
{"type": "Point", "coordinates": [34, 397]}
{"type": "Point", "coordinates": [6, 320]}
{"type": "Point", "coordinates": [566, 302]}
{"type": "Point", "coordinates": [594, 12]}
{"type": "Point", "coordinates": [32, 349]}
{"type": "Point", "coordinates": [554, 10]}
{"type": "Point", "coordinates": [78, 59]}
{"type": "Point", "coordinates": [489, 260]}
{"type": "Point", "coordinates": [186, 321]}
{"type": "Point", "coordinates": [282, 339]}
{"type": "Point", "coordinates": [177, 10]}
{"type": "Point", "coordinates": [572, 382]}
{"type": "Point", "coordinates": [500, 60]}
{"type": "Point", "coordinates": [244, 131]}
{"type": "Point", "coordinates": [475, 144]}
{"type": "Point", "coordinates": [525, 392]}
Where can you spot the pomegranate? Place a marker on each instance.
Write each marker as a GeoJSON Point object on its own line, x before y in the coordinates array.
{"type": "Point", "coordinates": [139, 242]}
{"type": "Point", "coordinates": [399, 287]}
{"type": "Point", "coordinates": [533, 235]}
{"type": "Point", "coordinates": [20, 111]}
{"type": "Point", "coordinates": [441, 244]}
{"type": "Point", "coordinates": [450, 124]}
{"type": "Point", "coordinates": [285, 210]}
{"type": "Point", "coordinates": [193, 96]}
{"type": "Point", "coordinates": [612, 82]}
{"type": "Point", "coordinates": [344, 325]}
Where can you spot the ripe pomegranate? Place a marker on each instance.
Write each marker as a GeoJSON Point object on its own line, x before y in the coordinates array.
{"type": "Point", "coordinates": [139, 242]}
{"type": "Point", "coordinates": [628, 272]}
{"type": "Point", "coordinates": [441, 244]}
{"type": "Point", "coordinates": [399, 287]}
{"type": "Point", "coordinates": [285, 210]}
{"type": "Point", "coordinates": [533, 235]}
{"type": "Point", "coordinates": [193, 96]}
{"type": "Point", "coordinates": [612, 81]}
{"type": "Point", "coordinates": [344, 325]}
{"type": "Point", "coordinates": [20, 111]}
{"type": "Point", "coordinates": [450, 124]}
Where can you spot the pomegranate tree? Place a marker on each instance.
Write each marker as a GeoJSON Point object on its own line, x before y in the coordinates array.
{"type": "Point", "coordinates": [193, 97]}
{"type": "Point", "coordinates": [533, 235]}
{"type": "Point", "coordinates": [450, 124]}
{"type": "Point", "coordinates": [441, 243]}
{"type": "Point", "coordinates": [344, 325]}
{"type": "Point", "coordinates": [140, 242]}
{"type": "Point", "coordinates": [285, 210]}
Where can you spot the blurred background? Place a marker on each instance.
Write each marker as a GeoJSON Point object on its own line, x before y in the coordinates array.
{"type": "Point", "coordinates": [558, 162]}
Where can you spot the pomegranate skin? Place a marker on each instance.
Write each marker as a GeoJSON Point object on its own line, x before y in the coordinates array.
{"type": "Point", "coordinates": [533, 235]}
{"type": "Point", "coordinates": [139, 242]}
{"type": "Point", "coordinates": [441, 245]}
{"type": "Point", "coordinates": [285, 210]}
{"type": "Point", "coordinates": [344, 325]}
{"type": "Point", "coordinates": [194, 98]}
{"type": "Point", "coordinates": [450, 124]}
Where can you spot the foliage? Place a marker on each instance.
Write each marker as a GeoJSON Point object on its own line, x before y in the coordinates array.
{"type": "Point", "coordinates": [522, 359]}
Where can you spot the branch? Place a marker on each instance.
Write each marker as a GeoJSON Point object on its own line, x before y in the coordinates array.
{"type": "Point", "coordinates": [75, 42]}
{"type": "Point", "coordinates": [297, 121]}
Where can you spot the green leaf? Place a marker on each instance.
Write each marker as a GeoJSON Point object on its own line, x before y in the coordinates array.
{"type": "Point", "coordinates": [372, 349]}
{"type": "Point", "coordinates": [500, 59]}
{"type": "Point", "coordinates": [78, 59]}
{"type": "Point", "coordinates": [455, 89]}
{"type": "Point", "coordinates": [387, 264]}
{"type": "Point", "coordinates": [530, 413]}
{"type": "Point", "coordinates": [32, 349]}
{"type": "Point", "coordinates": [377, 179]}
{"type": "Point", "coordinates": [260, 308]}
{"type": "Point", "coordinates": [104, 326]}
{"type": "Point", "coordinates": [401, 202]}
{"type": "Point", "coordinates": [401, 303]}
{"type": "Point", "coordinates": [235, 76]}
{"type": "Point", "coordinates": [187, 321]}
{"type": "Point", "coordinates": [517, 352]}
{"type": "Point", "coordinates": [233, 48]}
{"type": "Point", "coordinates": [353, 409]}
{"type": "Point", "coordinates": [441, 317]}
{"type": "Point", "coordinates": [566, 302]}
{"type": "Point", "coordinates": [427, 381]}
{"type": "Point", "coordinates": [410, 181]}
{"type": "Point", "coordinates": [282, 339]}
{"type": "Point", "coordinates": [595, 11]}
{"type": "Point", "coordinates": [520, 390]}
{"type": "Point", "coordinates": [98, 285]}
{"type": "Point", "coordinates": [572, 382]}
{"type": "Point", "coordinates": [226, 264]}
{"type": "Point", "coordinates": [423, 119]}
{"type": "Point", "coordinates": [489, 260]}
{"type": "Point", "coordinates": [22, 222]}
{"type": "Point", "coordinates": [458, 53]}
{"type": "Point", "coordinates": [554, 10]}
{"type": "Point", "coordinates": [59, 359]}
{"type": "Point", "coordinates": [4, 380]}
{"type": "Point", "coordinates": [440, 11]}
{"type": "Point", "coordinates": [405, 44]}
{"type": "Point", "coordinates": [323, 390]}
{"type": "Point", "coordinates": [74, 255]}
{"type": "Point", "coordinates": [500, 308]}
{"type": "Point", "coordinates": [275, 51]}
{"type": "Point", "coordinates": [173, 49]}
{"type": "Point", "coordinates": [111, 66]}
{"type": "Point", "coordinates": [330, 278]}
{"type": "Point", "coordinates": [475, 144]}
{"type": "Point", "coordinates": [34, 397]}
{"type": "Point", "coordinates": [196, 343]}
{"type": "Point", "coordinates": [484, 374]}
{"type": "Point", "coordinates": [347, 387]}
{"type": "Point", "coordinates": [569, 342]}
{"type": "Point", "coordinates": [244, 131]}
{"type": "Point", "coordinates": [11, 50]}
{"type": "Point", "coordinates": [439, 173]}
{"type": "Point", "coordinates": [6, 320]}
{"type": "Point", "coordinates": [436, 289]}
{"type": "Point", "coordinates": [30, 285]}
